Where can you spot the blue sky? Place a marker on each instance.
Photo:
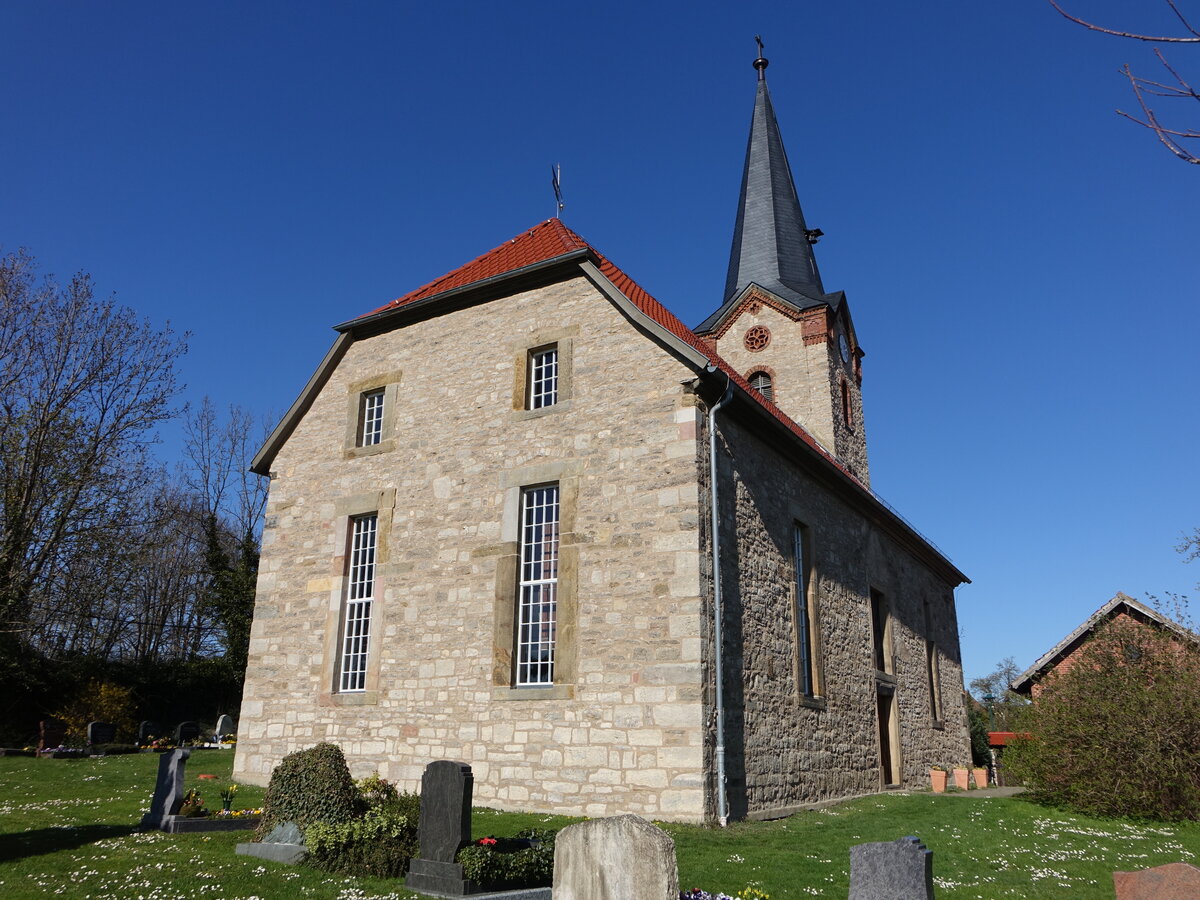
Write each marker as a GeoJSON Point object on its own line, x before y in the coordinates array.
{"type": "Point", "coordinates": [1020, 261]}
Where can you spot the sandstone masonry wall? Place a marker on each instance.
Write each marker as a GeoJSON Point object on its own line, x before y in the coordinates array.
{"type": "Point", "coordinates": [625, 732]}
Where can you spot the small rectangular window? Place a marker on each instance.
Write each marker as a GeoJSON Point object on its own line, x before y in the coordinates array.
{"type": "Point", "coordinates": [360, 591]}
{"type": "Point", "coordinates": [543, 377]}
{"type": "Point", "coordinates": [806, 680]}
{"type": "Point", "coordinates": [370, 418]}
{"type": "Point", "coordinates": [537, 590]}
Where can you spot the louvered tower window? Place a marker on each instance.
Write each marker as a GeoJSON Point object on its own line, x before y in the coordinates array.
{"type": "Point", "coordinates": [761, 382]}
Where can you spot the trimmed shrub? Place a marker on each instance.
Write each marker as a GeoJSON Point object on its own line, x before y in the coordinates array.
{"type": "Point", "coordinates": [307, 786]}
{"type": "Point", "coordinates": [1118, 734]}
{"type": "Point", "coordinates": [511, 863]}
{"type": "Point", "coordinates": [380, 843]}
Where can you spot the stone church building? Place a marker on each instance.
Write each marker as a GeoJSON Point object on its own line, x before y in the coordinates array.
{"type": "Point", "coordinates": [524, 518]}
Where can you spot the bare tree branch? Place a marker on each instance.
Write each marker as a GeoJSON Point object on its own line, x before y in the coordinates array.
{"type": "Point", "coordinates": [1144, 87]}
{"type": "Point", "coordinates": [1134, 35]}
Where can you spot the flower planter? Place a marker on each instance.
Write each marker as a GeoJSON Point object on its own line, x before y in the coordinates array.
{"type": "Point", "coordinates": [981, 777]}
{"type": "Point", "coordinates": [961, 778]}
{"type": "Point", "coordinates": [937, 779]}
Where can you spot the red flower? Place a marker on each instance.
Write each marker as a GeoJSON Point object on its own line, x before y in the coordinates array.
{"type": "Point", "coordinates": [487, 842]}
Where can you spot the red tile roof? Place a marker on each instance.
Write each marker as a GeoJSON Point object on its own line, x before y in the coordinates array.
{"type": "Point", "coordinates": [552, 239]}
{"type": "Point", "coordinates": [542, 242]}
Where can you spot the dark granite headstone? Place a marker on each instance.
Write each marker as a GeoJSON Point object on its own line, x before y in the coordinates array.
{"type": "Point", "coordinates": [1174, 881]}
{"type": "Point", "coordinates": [187, 731]}
{"type": "Point", "coordinates": [51, 733]}
{"type": "Point", "coordinates": [168, 792]}
{"type": "Point", "coordinates": [896, 870]}
{"type": "Point", "coordinates": [615, 859]}
{"type": "Point", "coordinates": [148, 730]}
{"type": "Point", "coordinates": [226, 725]}
{"type": "Point", "coordinates": [444, 827]}
{"type": "Point", "coordinates": [101, 732]}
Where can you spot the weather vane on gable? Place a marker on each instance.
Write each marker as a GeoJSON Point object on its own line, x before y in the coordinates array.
{"type": "Point", "coordinates": [556, 181]}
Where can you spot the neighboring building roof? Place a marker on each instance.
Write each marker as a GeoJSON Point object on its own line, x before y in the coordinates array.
{"type": "Point", "coordinates": [552, 250]}
{"type": "Point", "coordinates": [771, 247]}
{"type": "Point", "coordinates": [1121, 603]}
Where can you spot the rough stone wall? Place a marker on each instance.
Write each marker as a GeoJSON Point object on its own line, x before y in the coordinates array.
{"type": "Point", "coordinates": [626, 733]}
{"type": "Point", "coordinates": [786, 750]}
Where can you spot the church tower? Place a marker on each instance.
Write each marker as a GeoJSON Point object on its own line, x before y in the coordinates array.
{"type": "Point", "coordinates": [790, 339]}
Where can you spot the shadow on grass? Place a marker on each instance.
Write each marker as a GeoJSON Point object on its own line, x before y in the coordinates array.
{"type": "Point", "coordinates": [50, 840]}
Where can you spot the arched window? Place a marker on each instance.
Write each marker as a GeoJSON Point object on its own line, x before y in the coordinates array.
{"type": "Point", "coordinates": [847, 406]}
{"type": "Point", "coordinates": [761, 382]}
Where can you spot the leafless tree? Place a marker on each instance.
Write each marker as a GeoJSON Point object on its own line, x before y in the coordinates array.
{"type": "Point", "coordinates": [1177, 88]}
{"type": "Point", "coordinates": [217, 471]}
{"type": "Point", "coordinates": [83, 385]}
{"type": "Point", "coordinates": [217, 465]}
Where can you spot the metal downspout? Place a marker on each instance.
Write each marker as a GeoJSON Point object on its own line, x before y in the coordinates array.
{"type": "Point", "coordinates": [722, 799]}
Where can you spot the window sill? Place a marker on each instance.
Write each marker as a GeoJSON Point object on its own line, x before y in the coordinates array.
{"type": "Point", "coordinates": [939, 725]}
{"type": "Point", "coordinates": [382, 447]}
{"type": "Point", "coordinates": [357, 698]}
{"type": "Point", "coordinates": [521, 415]}
{"type": "Point", "coordinates": [813, 702]}
{"type": "Point", "coordinates": [550, 692]}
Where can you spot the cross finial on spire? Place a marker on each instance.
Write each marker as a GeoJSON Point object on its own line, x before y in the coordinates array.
{"type": "Point", "coordinates": [760, 63]}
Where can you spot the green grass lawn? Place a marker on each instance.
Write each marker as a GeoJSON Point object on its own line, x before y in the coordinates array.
{"type": "Point", "coordinates": [67, 828]}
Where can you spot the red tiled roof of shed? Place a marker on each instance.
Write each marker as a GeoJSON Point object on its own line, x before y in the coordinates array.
{"type": "Point", "coordinates": [551, 239]}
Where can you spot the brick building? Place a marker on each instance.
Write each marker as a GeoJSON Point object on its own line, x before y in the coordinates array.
{"type": "Point", "coordinates": [1123, 612]}
{"type": "Point", "coordinates": [490, 538]}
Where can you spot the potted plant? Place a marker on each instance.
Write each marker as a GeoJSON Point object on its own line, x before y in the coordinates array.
{"type": "Point", "coordinates": [981, 777]}
{"type": "Point", "coordinates": [961, 778]}
{"type": "Point", "coordinates": [937, 779]}
{"type": "Point", "coordinates": [193, 805]}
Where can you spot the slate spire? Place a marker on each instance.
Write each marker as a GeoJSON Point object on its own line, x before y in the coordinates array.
{"type": "Point", "coordinates": [771, 244]}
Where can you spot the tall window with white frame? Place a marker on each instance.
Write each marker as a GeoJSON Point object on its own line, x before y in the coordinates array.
{"type": "Point", "coordinates": [370, 418]}
{"type": "Point", "coordinates": [356, 625]}
{"type": "Point", "coordinates": [543, 377]}
{"type": "Point", "coordinates": [538, 588]}
{"type": "Point", "coordinates": [806, 680]}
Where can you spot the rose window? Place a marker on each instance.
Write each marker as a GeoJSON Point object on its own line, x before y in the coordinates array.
{"type": "Point", "coordinates": [757, 337]}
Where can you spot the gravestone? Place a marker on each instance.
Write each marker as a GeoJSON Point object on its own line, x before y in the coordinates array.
{"type": "Point", "coordinates": [615, 859]}
{"type": "Point", "coordinates": [168, 792]}
{"type": "Point", "coordinates": [444, 827]}
{"type": "Point", "coordinates": [894, 870]}
{"type": "Point", "coordinates": [225, 725]}
{"type": "Point", "coordinates": [284, 844]}
{"type": "Point", "coordinates": [1174, 881]}
{"type": "Point", "coordinates": [187, 731]}
{"type": "Point", "coordinates": [51, 733]}
{"type": "Point", "coordinates": [149, 730]}
{"type": "Point", "coordinates": [101, 733]}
